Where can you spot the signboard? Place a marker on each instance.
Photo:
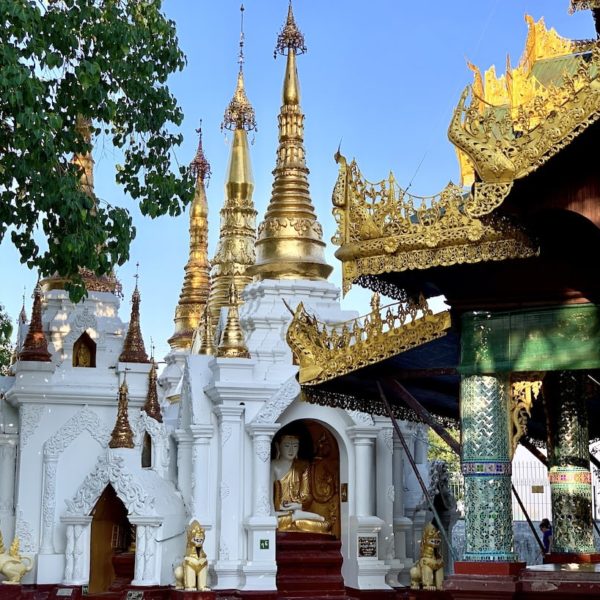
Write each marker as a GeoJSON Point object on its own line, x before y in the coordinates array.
{"type": "Point", "coordinates": [64, 592]}
{"type": "Point", "coordinates": [367, 546]}
{"type": "Point", "coordinates": [264, 544]}
{"type": "Point", "coordinates": [135, 595]}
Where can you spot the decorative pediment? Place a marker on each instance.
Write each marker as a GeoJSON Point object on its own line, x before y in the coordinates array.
{"type": "Point", "coordinates": [278, 402]}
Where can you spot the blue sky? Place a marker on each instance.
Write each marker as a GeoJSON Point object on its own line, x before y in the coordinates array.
{"type": "Point", "coordinates": [381, 76]}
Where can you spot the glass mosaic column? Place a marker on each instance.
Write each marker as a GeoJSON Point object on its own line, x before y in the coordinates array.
{"type": "Point", "coordinates": [569, 462]}
{"type": "Point", "coordinates": [486, 466]}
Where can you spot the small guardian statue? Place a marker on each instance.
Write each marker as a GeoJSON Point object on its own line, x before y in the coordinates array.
{"type": "Point", "coordinates": [428, 571]}
{"type": "Point", "coordinates": [12, 564]}
{"type": "Point", "coordinates": [192, 573]}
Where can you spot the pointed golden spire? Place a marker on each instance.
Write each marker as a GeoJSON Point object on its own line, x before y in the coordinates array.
{"type": "Point", "coordinates": [196, 282]}
{"type": "Point", "coordinates": [235, 249]}
{"type": "Point", "coordinates": [35, 346]}
{"type": "Point", "coordinates": [290, 239]}
{"type": "Point", "coordinates": [233, 343]}
{"type": "Point", "coordinates": [85, 161]}
{"type": "Point", "coordinates": [205, 339]}
{"type": "Point", "coordinates": [122, 435]}
{"type": "Point", "coordinates": [133, 348]}
{"type": "Point", "coordinates": [152, 406]}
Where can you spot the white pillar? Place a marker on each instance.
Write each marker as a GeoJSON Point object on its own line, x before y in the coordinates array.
{"type": "Point", "coordinates": [147, 559]}
{"type": "Point", "coordinates": [228, 567]}
{"type": "Point", "coordinates": [369, 571]}
{"type": "Point", "coordinates": [77, 552]}
{"type": "Point", "coordinates": [50, 463]}
{"type": "Point", "coordinates": [261, 568]}
{"type": "Point", "coordinates": [384, 449]}
{"type": "Point", "coordinates": [184, 464]}
{"type": "Point", "coordinates": [8, 456]}
{"type": "Point", "coordinates": [201, 498]}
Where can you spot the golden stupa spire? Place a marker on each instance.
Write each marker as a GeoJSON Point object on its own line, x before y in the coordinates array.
{"type": "Point", "coordinates": [35, 346]}
{"type": "Point", "coordinates": [122, 435]}
{"type": "Point", "coordinates": [290, 239]}
{"type": "Point", "coordinates": [233, 343]}
{"type": "Point", "coordinates": [196, 282]}
{"type": "Point", "coordinates": [134, 350]}
{"type": "Point", "coordinates": [84, 160]}
{"type": "Point", "coordinates": [152, 406]}
{"type": "Point", "coordinates": [204, 342]}
{"type": "Point", "coordinates": [235, 249]}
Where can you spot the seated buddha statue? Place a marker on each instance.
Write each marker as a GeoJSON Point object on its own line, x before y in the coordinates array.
{"type": "Point", "coordinates": [292, 493]}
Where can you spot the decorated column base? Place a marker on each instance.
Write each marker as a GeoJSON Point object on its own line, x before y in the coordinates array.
{"type": "Point", "coordinates": [261, 569]}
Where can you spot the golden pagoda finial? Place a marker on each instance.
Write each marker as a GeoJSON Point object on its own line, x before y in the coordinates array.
{"type": "Point", "coordinates": [237, 235]}
{"type": "Point", "coordinates": [290, 239]}
{"type": "Point", "coordinates": [122, 435]}
{"type": "Point", "coordinates": [152, 406]}
{"type": "Point", "coordinates": [35, 346]}
{"type": "Point", "coordinates": [205, 339]}
{"type": "Point", "coordinates": [84, 160]}
{"type": "Point", "coordinates": [196, 282]}
{"type": "Point", "coordinates": [233, 344]}
{"type": "Point", "coordinates": [133, 348]}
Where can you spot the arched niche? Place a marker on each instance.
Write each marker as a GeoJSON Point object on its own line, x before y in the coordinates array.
{"type": "Point", "coordinates": [84, 351]}
{"type": "Point", "coordinates": [146, 451]}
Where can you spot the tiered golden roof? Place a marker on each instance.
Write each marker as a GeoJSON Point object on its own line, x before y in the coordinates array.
{"type": "Point", "coordinates": [325, 352]}
{"type": "Point", "coordinates": [383, 228]}
{"type": "Point", "coordinates": [35, 346]}
{"type": "Point", "coordinates": [515, 123]}
{"type": "Point", "coordinates": [235, 249]}
{"type": "Point", "coordinates": [196, 282]}
{"type": "Point", "coordinates": [233, 343]}
{"type": "Point", "coordinates": [134, 350]}
{"type": "Point", "coordinates": [122, 434]}
{"type": "Point", "coordinates": [290, 239]}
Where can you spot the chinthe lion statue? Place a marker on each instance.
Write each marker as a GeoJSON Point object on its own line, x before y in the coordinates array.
{"type": "Point", "coordinates": [428, 571]}
{"type": "Point", "coordinates": [12, 564]}
{"type": "Point", "coordinates": [192, 573]}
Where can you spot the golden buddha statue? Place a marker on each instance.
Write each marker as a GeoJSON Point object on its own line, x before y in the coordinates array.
{"type": "Point", "coordinates": [292, 493]}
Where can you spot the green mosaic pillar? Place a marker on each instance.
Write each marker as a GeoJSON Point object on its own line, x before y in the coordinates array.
{"type": "Point", "coordinates": [569, 462]}
{"type": "Point", "coordinates": [486, 458]}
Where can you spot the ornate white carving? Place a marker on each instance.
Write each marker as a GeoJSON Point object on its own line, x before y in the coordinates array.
{"type": "Point", "coordinates": [24, 532]}
{"type": "Point", "coordinates": [391, 493]}
{"type": "Point", "coordinates": [278, 402]}
{"type": "Point", "coordinates": [263, 449]}
{"type": "Point", "coordinates": [225, 431]}
{"type": "Point", "coordinates": [361, 418]}
{"type": "Point", "coordinates": [29, 419]}
{"type": "Point", "coordinates": [224, 490]}
{"type": "Point", "coordinates": [263, 506]}
{"type": "Point", "coordinates": [109, 469]}
{"type": "Point", "coordinates": [388, 438]}
{"type": "Point", "coordinates": [85, 420]}
{"type": "Point", "coordinates": [48, 506]}
{"type": "Point", "coordinates": [157, 432]}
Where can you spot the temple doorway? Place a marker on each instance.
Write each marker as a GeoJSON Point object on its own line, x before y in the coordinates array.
{"type": "Point", "coordinates": [111, 535]}
{"type": "Point", "coordinates": [318, 447]}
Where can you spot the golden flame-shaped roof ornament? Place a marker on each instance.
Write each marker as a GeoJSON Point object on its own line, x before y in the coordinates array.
{"type": "Point", "coordinates": [196, 282]}
{"type": "Point", "coordinates": [237, 235]}
{"type": "Point", "coordinates": [152, 406]}
{"type": "Point", "coordinates": [35, 346]}
{"type": "Point", "coordinates": [134, 350]}
{"type": "Point", "coordinates": [290, 239]}
{"type": "Point", "coordinates": [122, 434]}
{"type": "Point", "coordinates": [233, 343]}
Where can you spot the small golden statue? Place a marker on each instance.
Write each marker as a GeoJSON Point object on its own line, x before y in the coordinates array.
{"type": "Point", "coordinates": [292, 490]}
{"type": "Point", "coordinates": [12, 564]}
{"type": "Point", "coordinates": [192, 573]}
{"type": "Point", "coordinates": [428, 571]}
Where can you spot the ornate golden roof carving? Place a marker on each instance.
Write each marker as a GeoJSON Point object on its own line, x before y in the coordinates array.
{"type": "Point", "coordinates": [196, 282]}
{"type": "Point", "coordinates": [514, 123]}
{"type": "Point", "coordinates": [290, 239]}
{"type": "Point", "coordinates": [233, 343]}
{"type": "Point", "coordinates": [584, 5]}
{"type": "Point", "coordinates": [325, 352]}
{"type": "Point", "coordinates": [122, 434]}
{"type": "Point", "coordinates": [134, 350]}
{"type": "Point", "coordinates": [382, 228]}
{"type": "Point", "coordinates": [35, 346]}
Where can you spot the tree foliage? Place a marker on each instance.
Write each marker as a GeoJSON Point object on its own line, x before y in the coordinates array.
{"type": "Point", "coordinates": [102, 61]}
{"type": "Point", "coordinates": [5, 345]}
{"type": "Point", "coordinates": [439, 450]}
